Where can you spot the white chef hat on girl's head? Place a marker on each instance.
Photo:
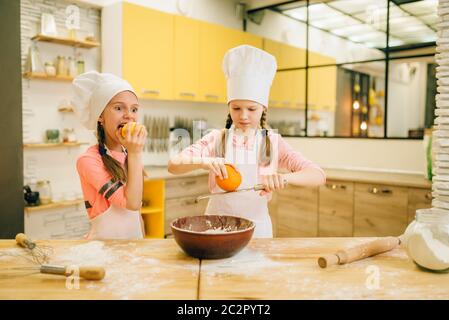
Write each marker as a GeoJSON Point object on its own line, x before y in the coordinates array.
{"type": "Point", "coordinates": [92, 92]}
{"type": "Point", "coordinates": [249, 72]}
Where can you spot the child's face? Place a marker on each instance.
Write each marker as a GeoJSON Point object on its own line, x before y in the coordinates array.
{"type": "Point", "coordinates": [245, 114]}
{"type": "Point", "coordinates": [121, 109]}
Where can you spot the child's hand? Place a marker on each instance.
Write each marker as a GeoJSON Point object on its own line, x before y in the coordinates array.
{"type": "Point", "coordinates": [134, 142]}
{"type": "Point", "coordinates": [273, 182]}
{"type": "Point", "coordinates": [217, 166]}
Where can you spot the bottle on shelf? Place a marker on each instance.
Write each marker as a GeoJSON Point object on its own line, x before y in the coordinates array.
{"type": "Point", "coordinates": [61, 66]}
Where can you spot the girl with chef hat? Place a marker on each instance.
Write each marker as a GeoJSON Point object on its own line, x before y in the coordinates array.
{"type": "Point", "coordinates": [247, 144]}
{"type": "Point", "coordinates": [111, 172]}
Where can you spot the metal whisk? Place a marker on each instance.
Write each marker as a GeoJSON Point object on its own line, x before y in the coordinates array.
{"type": "Point", "coordinates": [39, 253]}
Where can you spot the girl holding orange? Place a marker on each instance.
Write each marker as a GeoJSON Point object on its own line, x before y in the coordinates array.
{"type": "Point", "coordinates": [111, 172]}
{"type": "Point", "coordinates": [247, 145]}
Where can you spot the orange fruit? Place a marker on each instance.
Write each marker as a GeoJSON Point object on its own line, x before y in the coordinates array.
{"type": "Point", "coordinates": [133, 126]}
{"type": "Point", "coordinates": [232, 182]}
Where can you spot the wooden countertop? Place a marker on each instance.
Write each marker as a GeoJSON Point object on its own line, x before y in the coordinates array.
{"type": "Point", "coordinates": [266, 269]}
{"type": "Point", "coordinates": [156, 173]}
{"type": "Point", "coordinates": [388, 178]}
{"type": "Point", "coordinates": [145, 269]}
{"type": "Point", "coordinates": [396, 179]}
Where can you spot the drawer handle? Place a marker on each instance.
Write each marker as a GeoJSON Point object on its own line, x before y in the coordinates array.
{"type": "Point", "coordinates": [211, 96]}
{"type": "Point", "coordinates": [188, 183]}
{"type": "Point", "coordinates": [187, 94]}
{"type": "Point", "coordinates": [336, 186]}
{"type": "Point", "coordinates": [429, 196]}
{"type": "Point", "coordinates": [273, 101]}
{"type": "Point", "coordinates": [189, 202]}
{"type": "Point", "coordinates": [380, 191]}
{"type": "Point", "coordinates": [146, 91]}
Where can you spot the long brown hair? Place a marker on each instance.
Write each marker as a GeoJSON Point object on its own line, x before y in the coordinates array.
{"type": "Point", "coordinates": [265, 150]}
{"type": "Point", "coordinates": [115, 168]}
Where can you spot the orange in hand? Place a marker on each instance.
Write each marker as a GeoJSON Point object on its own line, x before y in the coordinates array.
{"type": "Point", "coordinates": [232, 182]}
{"type": "Point", "coordinates": [133, 126]}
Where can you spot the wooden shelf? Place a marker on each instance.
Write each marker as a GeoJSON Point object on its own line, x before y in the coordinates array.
{"type": "Point", "coordinates": [43, 76]}
{"type": "Point", "coordinates": [53, 145]}
{"type": "Point", "coordinates": [66, 41]}
{"type": "Point", "coordinates": [54, 205]}
{"type": "Point", "coordinates": [150, 210]}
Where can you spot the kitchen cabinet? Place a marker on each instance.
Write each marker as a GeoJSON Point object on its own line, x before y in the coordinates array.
{"type": "Point", "coordinates": [352, 203]}
{"type": "Point", "coordinates": [148, 51]}
{"type": "Point", "coordinates": [286, 56]}
{"type": "Point", "coordinates": [180, 196]}
{"type": "Point", "coordinates": [418, 199]}
{"type": "Point", "coordinates": [336, 209]}
{"type": "Point", "coordinates": [186, 58]}
{"type": "Point", "coordinates": [215, 40]}
{"type": "Point", "coordinates": [288, 90]}
{"type": "Point", "coordinates": [379, 210]}
{"type": "Point", "coordinates": [316, 59]}
{"type": "Point", "coordinates": [153, 208]}
{"type": "Point", "coordinates": [295, 212]}
{"type": "Point", "coordinates": [322, 88]}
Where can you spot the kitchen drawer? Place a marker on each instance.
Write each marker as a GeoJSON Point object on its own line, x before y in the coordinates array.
{"type": "Point", "coordinates": [297, 212]}
{"type": "Point", "coordinates": [179, 207]}
{"type": "Point", "coordinates": [379, 210]}
{"type": "Point", "coordinates": [183, 187]}
{"type": "Point", "coordinates": [418, 199]}
{"type": "Point", "coordinates": [336, 209]}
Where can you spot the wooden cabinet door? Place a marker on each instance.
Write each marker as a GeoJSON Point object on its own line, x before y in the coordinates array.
{"type": "Point", "coordinates": [251, 39]}
{"type": "Point", "coordinates": [292, 57]}
{"type": "Point", "coordinates": [418, 199]}
{"type": "Point", "coordinates": [379, 210]}
{"type": "Point", "coordinates": [148, 51]}
{"type": "Point", "coordinates": [291, 89]}
{"type": "Point", "coordinates": [336, 209]}
{"type": "Point", "coordinates": [214, 41]}
{"type": "Point", "coordinates": [186, 58]}
{"type": "Point", "coordinates": [187, 186]}
{"type": "Point", "coordinates": [322, 88]}
{"type": "Point", "coordinates": [181, 207]}
{"type": "Point", "coordinates": [275, 99]}
{"type": "Point", "coordinates": [273, 48]}
{"type": "Point", "coordinates": [297, 212]}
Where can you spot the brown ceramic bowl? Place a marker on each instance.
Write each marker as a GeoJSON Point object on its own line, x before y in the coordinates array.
{"type": "Point", "coordinates": [212, 236]}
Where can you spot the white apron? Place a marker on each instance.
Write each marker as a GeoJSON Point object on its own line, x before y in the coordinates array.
{"type": "Point", "coordinates": [248, 204]}
{"type": "Point", "coordinates": [116, 223]}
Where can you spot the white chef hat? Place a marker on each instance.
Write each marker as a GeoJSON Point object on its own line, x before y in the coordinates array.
{"type": "Point", "coordinates": [249, 72]}
{"type": "Point", "coordinates": [92, 92]}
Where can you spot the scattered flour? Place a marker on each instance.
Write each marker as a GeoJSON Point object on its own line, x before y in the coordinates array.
{"type": "Point", "coordinates": [246, 262]}
{"type": "Point", "coordinates": [128, 271]}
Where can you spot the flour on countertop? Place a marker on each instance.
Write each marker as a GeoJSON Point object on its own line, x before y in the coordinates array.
{"type": "Point", "coordinates": [128, 270]}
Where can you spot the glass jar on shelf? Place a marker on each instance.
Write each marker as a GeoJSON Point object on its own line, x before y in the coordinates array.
{"type": "Point", "coordinates": [44, 189]}
{"type": "Point", "coordinates": [61, 66]}
{"type": "Point", "coordinates": [72, 68]}
{"type": "Point", "coordinates": [50, 69]}
{"type": "Point", "coordinates": [69, 135]}
{"type": "Point", "coordinates": [80, 66]}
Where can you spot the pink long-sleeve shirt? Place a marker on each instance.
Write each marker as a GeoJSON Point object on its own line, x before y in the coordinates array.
{"type": "Point", "coordinates": [98, 189]}
{"type": "Point", "coordinates": [285, 157]}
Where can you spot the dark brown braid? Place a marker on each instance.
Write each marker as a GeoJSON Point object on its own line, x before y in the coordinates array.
{"type": "Point", "coordinates": [117, 171]}
{"type": "Point", "coordinates": [265, 150]}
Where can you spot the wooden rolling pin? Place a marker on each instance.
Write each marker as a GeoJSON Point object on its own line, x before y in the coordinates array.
{"type": "Point", "coordinates": [360, 252]}
{"type": "Point", "coordinates": [85, 272]}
